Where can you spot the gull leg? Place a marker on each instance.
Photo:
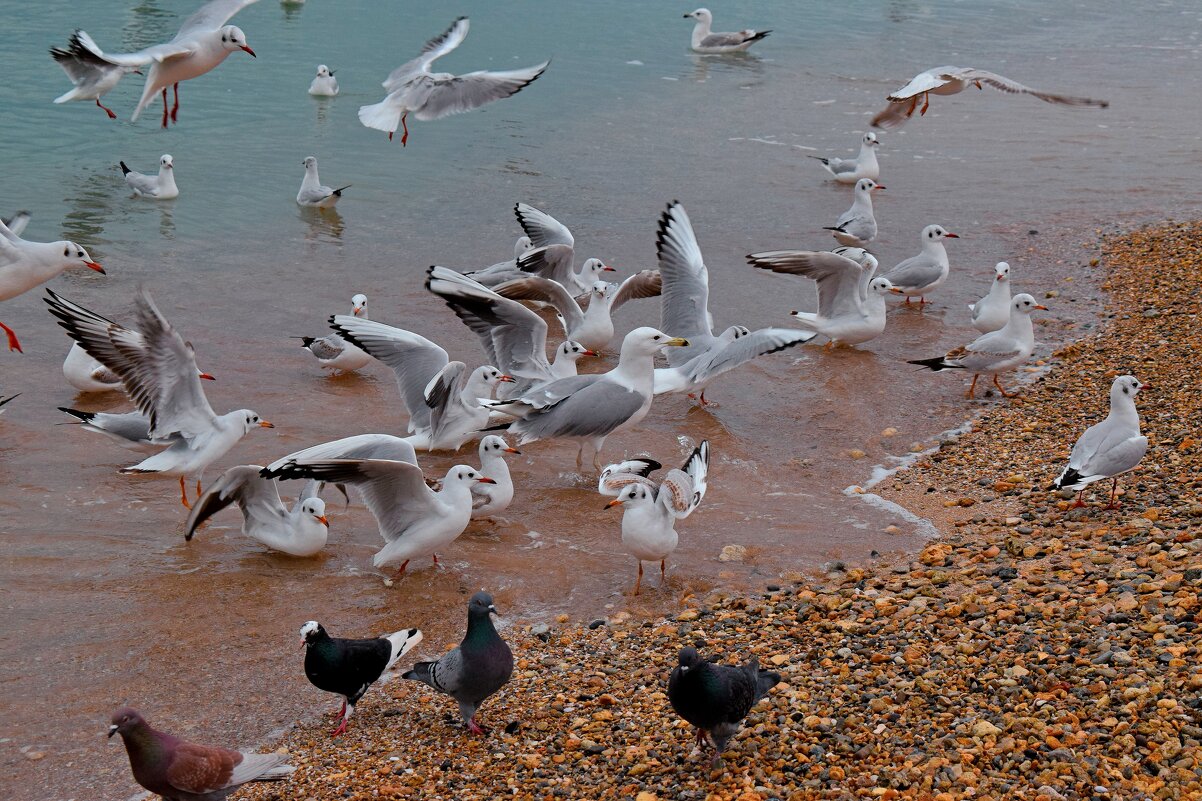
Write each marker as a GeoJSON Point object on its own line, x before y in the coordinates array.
{"type": "Point", "coordinates": [639, 581]}
{"type": "Point", "coordinates": [405, 125]}
{"type": "Point", "coordinates": [437, 563]}
{"type": "Point", "coordinates": [1005, 394]}
{"type": "Point", "coordinates": [972, 388]}
{"type": "Point", "coordinates": [580, 457]}
{"type": "Point", "coordinates": [13, 343]}
{"type": "Point", "coordinates": [198, 488]}
{"type": "Point", "coordinates": [164, 106]}
{"type": "Point", "coordinates": [907, 303]}
{"type": "Point", "coordinates": [107, 110]}
{"type": "Point", "coordinates": [926, 103]}
{"type": "Point", "coordinates": [701, 398]}
{"type": "Point", "coordinates": [1114, 488]}
{"type": "Point", "coordinates": [401, 571]}
{"type": "Point", "coordinates": [663, 577]}
{"type": "Point", "coordinates": [830, 343]}
{"type": "Point", "coordinates": [175, 105]}
{"type": "Point", "coordinates": [183, 493]}
{"type": "Point", "coordinates": [1079, 503]}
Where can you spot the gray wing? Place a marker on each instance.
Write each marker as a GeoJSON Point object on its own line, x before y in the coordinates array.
{"type": "Point", "coordinates": [394, 492]}
{"type": "Point", "coordinates": [447, 673]}
{"type": "Point", "coordinates": [16, 225]}
{"type": "Point", "coordinates": [132, 426]}
{"type": "Point", "coordinates": [434, 97]}
{"type": "Point", "coordinates": [443, 397]}
{"type": "Point", "coordinates": [361, 446]}
{"type": "Point", "coordinates": [837, 276]}
{"type": "Point", "coordinates": [83, 61]}
{"type": "Point", "coordinates": [514, 338]}
{"type": "Point", "coordinates": [432, 50]}
{"type": "Point", "coordinates": [546, 395]}
{"type": "Point", "coordinates": [547, 290]}
{"type": "Point", "coordinates": [711, 364]}
{"type": "Point", "coordinates": [314, 194]}
{"type": "Point", "coordinates": [211, 16]}
{"type": "Point", "coordinates": [643, 284]}
{"type": "Point", "coordinates": [257, 497]}
{"type": "Point", "coordinates": [327, 347]}
{"type": "Point", "coordinates": [554, 261]}
{"type": "Point", "coordinates": [594, 411]}
{"type": "Point", "coordinates": [858, 225]}
{"type": "Point", "coordinates": [140, 181]}
{"type": "Point", "coordinates": [914, 271]}
{"type": "Point", "coordinates": [542, 228]}
{"type": "Point", "coordinates": [1015, 88]}
{"type": "Point", "coordinates": [414, 359]}
{"type": "Point", "coordinates": [1107, 449]}
{"type": "Point", "coordinates": [727, 39]}
{"type": "Point", "coordinates": [685, 310]}
{"type": "Point", "coordinates": [925, 82]}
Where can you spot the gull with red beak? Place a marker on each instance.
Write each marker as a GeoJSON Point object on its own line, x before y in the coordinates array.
{"type": "Point", "coordinates": [159, 187]}
{"type": "Point", "coordinates": [25, 265]}
{"type": "Point", "coordinates": [495, 496]}
{"type": "Point", "coordinates": [919, 275]}
{"type": "Point", "coordinates": [300, 531]}
{"type": "Point", "coordinates": [856, 227]}
{"type": "Point", "coordinates": [993, 311]}
{"type": "Point", "coordinates": [335, 353]}
{"type": "Point", "coordinates": [203, 42]}
{"type": "Point", "coordinates": [1109, 448]}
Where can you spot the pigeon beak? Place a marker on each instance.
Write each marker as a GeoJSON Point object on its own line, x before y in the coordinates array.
{"type": "Point", "coordinates": [492, 609]}
{"type": "Point", "coordinates": [613, 503]}
{"type": "Point", "coordinates": [322, 519]}
{"type": "Point", "coordinates": [677, 342]}
{"type": "Point", "coordinates": [513, 450]}
{"type": "Point", "coordinates": [112, 730]}
{"type": "Point", "coordinates": [485, 480]}
{"type": "Point", "coordinates": [247, 49]}
{"type": "Point", "coordinates": [1041, 307]}
{"type": "Point", "coordinates": [265, 424]}
{"type": "Point", "coordinates": [206, 377]}
{"type": "Point", "coordinates": [303, 642]}
{"type": "Point", "coordinates": [91, 265]}
{"type": "Point", "coordinates": [684, 669]}
{"type": "Point", "coordinates": [507, 379]}
{"type": "Point", "coordinates": [951, 236]}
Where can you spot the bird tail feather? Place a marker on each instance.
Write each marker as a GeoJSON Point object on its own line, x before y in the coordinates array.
{"type": "Point", "coordinates": [382, 116]}
{"type": "Point", "coordinates": [937, 364]}
{"type": "Point", "coordinates": [124, 170]}
{"type": "Point", "coordinates": [420, 672]}
{"type": "Point", "coordinates": [402, 643]}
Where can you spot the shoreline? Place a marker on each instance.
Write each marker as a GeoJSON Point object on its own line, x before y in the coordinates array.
{"type": "Point", "coordinates": [1031, 651]}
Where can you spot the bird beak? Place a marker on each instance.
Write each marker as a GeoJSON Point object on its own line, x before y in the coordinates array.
{"type": "Point", "coordinates": [247, 49]}
{"type": "Point", "coordinates": [112, 730]}
{"type": "Point", "coordinates": [265, 424]}
{"type": "Point", "coordinates": [492, 609]}
{"type": "Point", "coordinates": [507, 379]}
{"type": "Point", "coordinates": [588, 353]}
{"type": "Point", "coordinates": [607, 269]}
{"type": "Point", "coordinates": [485, 480]}
{"type": "Point", "coordinates": [330, 72]}
{"type": "Point", "coordinates": [94, 266]}
{"type": "Point", "coordinates": [613, 503]}
{"type": "Point", "coordinates": [793, 312]}
{"type": "Point", "coordinates": [1041, 307]}
{"type": "Point", "coordinates": [513, 450]}
{"type": "Point", "coordinates": [303, 643]}
{"type": "Point", "coordinates": [686, 16]}
{"type": "Point", "coordinates": [357, 312]}
{"type": "Point", "coordinates": [878, 186]}
{"type": "Point", "coordinates": [895, 290]}
{"type": "Point", "coordinates": [684, 668]}
{"type": "Point", "coordinates": [677, 342]}
{"type": "Point", "coordinates": [207, 377]}
{"type": "Point", "coordinates": [952, 236]}
{"type": "Point", "coordinates": [1142, 387]}
{"type": "Point", "coordinates": [322, 519]}
{"type": "Point", "coordinates": [1000, 277]}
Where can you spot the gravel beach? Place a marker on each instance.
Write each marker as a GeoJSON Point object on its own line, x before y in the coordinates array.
{"type": "Point", "coordinates": [1033, 651]}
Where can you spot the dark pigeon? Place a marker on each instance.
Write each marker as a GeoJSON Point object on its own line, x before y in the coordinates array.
{"type": "Point", "coordinates": [716, 698]}
{"type": "Point", "coordinates": [349, 667]}
{"type": "Point", "coordinates": [481, 665]}
{"type": "Point", "coordinates": [182, 771]}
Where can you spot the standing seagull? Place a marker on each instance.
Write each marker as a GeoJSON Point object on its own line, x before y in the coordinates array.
{"type": "Point", "coordinates": [159, 187]}
{"type": "Point", "coordinates": [312, 193]}
{"type": "Point", "coordinates": [203, 42]}
{"type": "Point", "coordinates": [996, 352]}
{"type": "Point", "coordinates": [716, 698]}
{"type": "Point", "coordinates": [481, 665]}
{"type": "Point", "coordinates": [300, 531]}
{"type": "Point", "coordinates": [952, 81]}
{"type": "Point", "coordinates": [993, 311]}
{"type": "Point", "coordinates": [87, 68]}
{"type": "Point", "coordinates": [432, 95]}
{"type": "Point", "coordinates": [856, 227]}
{"type": "Point", "coordinates": [495, 497]}
{"type": "Point", "coordinates": [848, 171]}
{"type": "Point", "coordinates": [182, 771]}
{"type": "Point", "coordinates": [1109, 448]}
{"type": "Point", "coordinates": [158, 369]}
{"type": "Point", "coordinates": [926, 272]}
{"type": "Point", "coordinates": [650, 514]}
{"type": "Point", "coordinates": [706, 41]}
{"type": "Point", "coordinates": [335, 353]}
{"type": "Point", "coordinates": [25, 264]}
{"type": "Point", "coordinates": [348, 667]}
{"type": "Point", "coordinates": [325, 84]}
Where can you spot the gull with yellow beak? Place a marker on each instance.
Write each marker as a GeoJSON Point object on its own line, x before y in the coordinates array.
{"type": "Point", "coordinates": [300, 531]}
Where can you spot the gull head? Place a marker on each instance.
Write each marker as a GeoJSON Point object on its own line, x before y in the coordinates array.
{"type": "Point", "coordinates": [488, 376]}
{"type": "Point", "coordinates": [1001, 271]}
{"type": "Point", "coordinates": [1025, 304]}
{"type": "Point", "coordinates": [323, 71]}
{"type": "Point", "coordinates": [881, 286]}
{"type": "Point", "coordinates": [701, 15]}
{"type": "Point", "coordinates": [317, 508]}
{"type": "Point", "coordinates": [166, 162]}
{"type": "Point", "coordinates": [871, 140]}
{"type": "Point", "coordinates": [359, 305]}
{"type": "Point", "coordinates": [465, 475]}
{"type": "Point", "coordinates": [310, 163]}
{"type": "Point", "coordinates": [521, 246]}
{"type": "Point", "coordinates": [496, 445]}
{"type": "Point", "coordinates": [593, 269]}
{"type": "Point", "coordinates": [1126, 386]}
{"type": "Point", "coordinates": [936, 233]}
{"type": "Point", "coordinates": [733, 333]}
{"type": "Point", "coordinates": [647, 341]}
{"type": "Point", "coordinates": [251, 419]}
{"type": "Point", "coordinates": [858, 255]}
{"type": "Point", "coordinates": [634, 494]}
{"type": "Point", "coordinates": [865, 186]}
{"type": "Point", "coordinates": [572, 350]}
{"type": "Point", "coordinates": [73, 254]}
{"type": "Point", "coordinates": [232, 38]}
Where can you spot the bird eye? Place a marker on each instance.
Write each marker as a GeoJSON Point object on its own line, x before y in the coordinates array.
{"type": "Point", "coordinates": [656, 337]}
{"type": "Point", "coordinates": [223, 38]}
{"type": "Point", "coordinates": [66, 251]}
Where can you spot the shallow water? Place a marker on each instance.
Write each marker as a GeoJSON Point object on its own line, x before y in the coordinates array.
{"type": "Point", "coordinates": [104, 601]}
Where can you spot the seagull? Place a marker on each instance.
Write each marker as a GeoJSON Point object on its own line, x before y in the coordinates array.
{"type": "Point", "coordinates": [325, 84]}
{"type": "Point", "coordinates": [849, 171]}
{"type": "Point", "coordinates": [926, 272]}
{"type": "Point", "coordinates": [996, 352]}
{"type": "Point", "coordinates": [479, 667]}
{"type": "Point", "coordinates": [513, 337]}
{"type": "Point", "coordinates": [851, 302]}
{"type": "Point", "coordinates": [704, 41]}
{"type": "Point", "coordinates": [4, 400]}
{"type": "Point", "coordinates": [993, 311]}
{"type": "Point", "coordinates": [856, 227]}
{"type": "Point", "coordinates": [716, 698]}
{"type": "Point", "coordinates": [591, 407]}
{"type": "Point", "coordinates": [552, 251]}
{"type": "Point", "coordinates": [312, 193]}
{"type": "Point", "coordinates": [650, 512]}
{"type": "Point", "coordinates": [88, 375]}
{"type": "Point", "coordinates": [502, 271]}
{"type": "Point", "coordinates": [953, 80]}
{"type": "Point", "coordinates": [592, 326]}
{"type": "Point", "coordinates": [299, 531]}
{"type": "Point", "coordinates": [495, 497]}
{"type": "Point", "coordinates": [203, 42]}
{"type": "Point", "coordinates": [25, 264]}
{"type": "Point", "coordinates": [158, 369]}
{"type": "Point", "coordinates": [433, 95]}
{"type": "Point", "coordinates": [349, 667]}
{"type": "Point", "coordinates": [335, 353]}
{"type": "Point", "coordinates": [685, 313]}
{"type": "Point", "coordinates": [179, 770]}
{"type": "Point", "coordinates": [92, 74]}
{"type": "Point", "coordinates": [1109, 448]}
{"type": "Point", "coordinates": [159, 187]}
{"type": "Point", "coordinates": [441, 396]}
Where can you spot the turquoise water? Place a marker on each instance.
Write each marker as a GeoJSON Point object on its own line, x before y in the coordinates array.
{"type": "Point", "coordinates": [624, 120]}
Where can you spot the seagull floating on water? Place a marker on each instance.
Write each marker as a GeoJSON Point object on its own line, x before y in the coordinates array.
{"type": "Point", "coordinates": [706, 41]}
{"type": "Point", "coordinates": [312, 192]}
{"type": "Point", "coordinates": [159, 187]}
{"type": "Point", "coordinates": [848, 171]}
{"type": "Point", "coordinates": [325, 84]}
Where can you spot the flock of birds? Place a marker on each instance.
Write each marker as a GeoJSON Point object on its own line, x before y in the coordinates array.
{"type": "Point", "coordinates": [520, 388]}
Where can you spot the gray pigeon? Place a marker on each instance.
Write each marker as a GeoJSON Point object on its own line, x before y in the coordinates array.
{"type": "Point", "coordinates": [716, 698]}
{"type": "Point", "coordinates": [481, 665]}
{"type": "Point", "coordinates": [182, 771]}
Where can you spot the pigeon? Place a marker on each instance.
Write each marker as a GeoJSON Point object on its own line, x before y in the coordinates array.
{"type": "Point", "coordinates": [325, 84]}
{"type": "Point", "coordinates": [87, 68]}
{"type": "Point", "coordinates": [300, 531]}
{"type": "Point", "coordinates": [312, 192]}
{"type": "Point", "coordinates": [182, 771]}
{"type": "Point", "coordinates": [159, 187]}
{"type": "Point", "coordinates": [856, 227]}
{"type": "Point", "coordinates": [926, 272]}
{"type": "Point", "coordinates": [481, 665]}
{"type": "Point", "coordinates": [993, 311]}
{"type": "Point", "coordinates": [705, 41]}
{"type": "Point", "coordinates": [348, 667]}
{"type": "Point", "coordinates": [848, 171]}
{"type": "Point", "coordinates": [716, 698]}
{"type": "Point", "coordinates": [1109, 448]}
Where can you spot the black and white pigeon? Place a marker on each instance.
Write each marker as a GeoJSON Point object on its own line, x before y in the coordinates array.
{"type": "Point", "coordinates": [481, 665]}
{"type": "Point", "coordinates": [716, 698]}
{"type": "Point", "coordinates": [348, 667]}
